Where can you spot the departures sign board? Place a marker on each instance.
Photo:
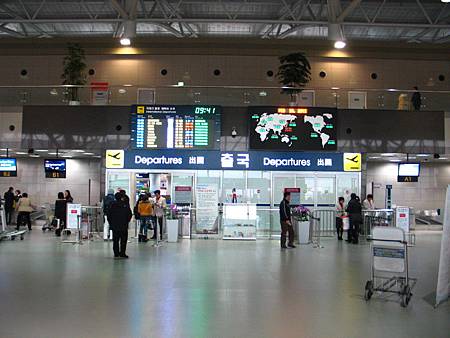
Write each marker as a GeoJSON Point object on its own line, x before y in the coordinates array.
{"type": "Point", "coordinates": [175, 127]}
{"type": "Point", "coordinates": [292, 128]}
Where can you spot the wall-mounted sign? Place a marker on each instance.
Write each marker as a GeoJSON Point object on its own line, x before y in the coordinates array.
{"type": "Point", "coordinates": [115, 159]}
{"type": "Point", "coordinates": [8, 167]}
{"type": "Point", "coordinates": [292, 128]}
{"type": "Point", "coordinates": [230, 160]}
{"type": "Point", "coordinates": [295, 195]}
{"type": "Point", "coordinates": [182, 194]}
{"type": "Point", "coordinates": [352, 161]}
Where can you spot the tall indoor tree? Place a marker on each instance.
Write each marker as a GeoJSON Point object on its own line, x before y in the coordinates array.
{"type": "Point", "coordinates": [294, 73]}
{"type": "Point", "coordinates": [74, 65]}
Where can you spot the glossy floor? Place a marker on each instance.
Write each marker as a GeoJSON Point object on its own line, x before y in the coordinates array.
{"type": "Point", "coordinates": [208, 288]}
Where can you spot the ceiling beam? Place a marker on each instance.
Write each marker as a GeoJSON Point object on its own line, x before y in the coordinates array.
{"type": "Point", "coordinates": [348, 10]}
{"type": "Point", "coordinates": [11, 32]}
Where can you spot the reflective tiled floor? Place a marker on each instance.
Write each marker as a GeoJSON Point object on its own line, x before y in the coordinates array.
{"type": "Point", "coordinates": [208, 288]}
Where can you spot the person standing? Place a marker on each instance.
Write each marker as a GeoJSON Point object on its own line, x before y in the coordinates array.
{"type": "Point", "coordinates": [354, 209]}
{"type": "Point", "coordinates": [9, 204]}
{"type": "Point", "coordinates": [68, 196]}
{"type": "Point", "coordinates": [145, 211]}
{"type": "Point", "coordinates": [285, 221]}
{"type": "Point", "coordinates": [340, 214]}
{"type": "Point", "coordinates": [60, 212]}
{"type": "Point", "coordinates": [416, 99]}
{"type": "Point", "coordinates": [24, 210]}
{"type": "Point", "coordinates": [119, 215]}
{"type": "Point", "coordinates": [159, 205]}
{"type": "Point", "coordinates": [368, 203]}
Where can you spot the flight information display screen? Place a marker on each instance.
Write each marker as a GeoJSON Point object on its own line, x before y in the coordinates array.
{"type": "Point", "coordinates": [55, 168]}
{"type": "Point", "coordinates": [177, 127]}
{"type": "Point", "coordinates": [8, 167]}
{"type": "Point", "coordinates": [292, 128]}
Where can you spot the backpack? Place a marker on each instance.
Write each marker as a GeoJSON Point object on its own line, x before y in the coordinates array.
{"type": "Point", "coordinates": [107, 202]}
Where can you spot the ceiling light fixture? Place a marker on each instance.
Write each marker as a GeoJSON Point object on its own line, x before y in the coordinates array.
{"type": "Point", "coordinates": [129, 32]}
{"type": "Point", "coordinates": [340, 44]}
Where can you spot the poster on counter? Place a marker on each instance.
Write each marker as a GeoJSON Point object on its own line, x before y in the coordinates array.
{"type": "Point", "coordinates": [73, 212]}
{"type": "Point", "coordinates": [207, 201]}
{"type": "Point", "coordinates": [402, 218]}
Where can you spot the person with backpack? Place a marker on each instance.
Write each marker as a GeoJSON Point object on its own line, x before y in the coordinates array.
{"type": "Point", "coordinates": [145, 211]}
{"type": "Point", "coordinates": [108, 200]}
{"type": "Point", "coordinates": [354, 210]}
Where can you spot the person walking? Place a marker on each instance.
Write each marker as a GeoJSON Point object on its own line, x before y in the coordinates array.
{"type": "Point", "coordinates": [60, 212]}
{"type": "Point", "coordinates": [119, 215]}
{"type": "Point", "coordinates": [68, 196]}
{"type": "Point", "coordinates": [9, 204]}
{"type": "Point", "coordinates": [145, 211]}
{"type": "Point", "coordinates": [24, 210]}
{"type": "Point", "coordinates": [340, 214]}
{"type": "Point", "coordinates": [159, 205]}
{"type": "Point", "coordinates": [354, 209]}
{"type": "Point", "coordinates": [416, 99]}
{"type": "Point", "coordinates": [285, 221]}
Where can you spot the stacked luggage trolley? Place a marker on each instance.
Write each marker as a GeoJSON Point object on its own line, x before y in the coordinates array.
{"type": "Point", "coordinates": [389, 264]}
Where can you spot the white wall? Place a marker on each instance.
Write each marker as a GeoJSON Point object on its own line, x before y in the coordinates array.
{"type": "Point", "coordinates": [31, 179]}
{"type": "Point", "coordinates": [428, 193]}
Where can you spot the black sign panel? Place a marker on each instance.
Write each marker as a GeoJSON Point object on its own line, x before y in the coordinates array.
{"type": "Point", "coordinates": [407, 179]}
{"type": "Point", "coordinates": [292, 128]}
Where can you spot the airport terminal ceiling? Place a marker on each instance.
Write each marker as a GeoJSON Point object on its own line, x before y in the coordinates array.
{"type": "Point", "coordinates": [395, 20]}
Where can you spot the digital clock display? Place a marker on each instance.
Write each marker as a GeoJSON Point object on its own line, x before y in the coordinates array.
{"type": "Point", "coordinates": [175, 127]}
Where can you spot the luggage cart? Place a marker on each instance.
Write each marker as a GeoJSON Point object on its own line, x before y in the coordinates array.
{"type": "Point", "coordinates": [389, 265]}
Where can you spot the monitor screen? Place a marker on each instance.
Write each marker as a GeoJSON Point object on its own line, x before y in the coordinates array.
{"type": "Point", "coordinates": [55, 168]}
{"type": "Point", "coordinates": [8, 167]}
{"type": "Point", "coordinates": [175, 127]}
{"type": "Point", "coordinates": [292, 128]}
{"type": "Point", "coordinates": [408, 169]}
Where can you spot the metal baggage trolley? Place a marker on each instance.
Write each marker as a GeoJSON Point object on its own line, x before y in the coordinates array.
{"type": "Point", "coordinates": [389, 264]}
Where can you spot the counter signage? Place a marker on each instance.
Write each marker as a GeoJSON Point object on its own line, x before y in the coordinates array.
{"type": "Point", "coordinates": [183, 194]}
{"type": "Point", "coordinates": [232, 160]}
{"type": "Point", "coordinates": [73, 212]}
{"type": "Point", "coordinates": [402, 218]}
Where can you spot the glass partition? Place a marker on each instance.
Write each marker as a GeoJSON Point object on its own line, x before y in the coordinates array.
{"type": "Point", "coordinates": [259, 192]}
{"type": "Point", "coordinates": [307, 188]}
{"type": "Point", "coordinates": [326, 191]}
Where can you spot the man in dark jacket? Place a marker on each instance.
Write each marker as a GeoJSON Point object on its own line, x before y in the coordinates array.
{"type": "Point", "coordinates": [354, 210]}
{"type": "Point", "coordinates": [9, 204]}
{"type": "Point", "coordinates": [119, 215]}
{"type": "Point", "coordinates": [416, 99]}
{"type": "Point", "coordinates": [285, 220]}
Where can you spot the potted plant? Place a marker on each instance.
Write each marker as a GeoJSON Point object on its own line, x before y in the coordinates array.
{"type": "Point", "coordinates": [301, 215]}
{"type": "Point", "coordinates": [294, 73]}
{"type": "Point", "coordinates": [73, 72]}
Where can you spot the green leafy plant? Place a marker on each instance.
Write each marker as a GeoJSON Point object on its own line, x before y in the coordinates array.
{"type": "Point", "coordinates": [294, 73]}
{"type": "Point", "coordinates": [74, 66]}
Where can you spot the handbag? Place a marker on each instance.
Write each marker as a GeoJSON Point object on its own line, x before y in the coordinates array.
{"type": "Point", "coordinates": [345, 222]}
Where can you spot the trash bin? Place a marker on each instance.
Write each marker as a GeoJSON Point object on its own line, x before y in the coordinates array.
{"type": "Point", "coordinates": [172, 230]}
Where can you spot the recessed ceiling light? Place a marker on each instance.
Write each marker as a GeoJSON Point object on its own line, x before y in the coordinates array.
{"type": "Point", "coordinates": [77, 151]}
{"type": "Point", "coordinates": [374, 157]}
{"type": "Point", "coordinates": [21, 153]}
{"type": "Point", "coordinates": [52, 153]}
{"type": "Point", "coordinates": [125, 42]}
{"type": "Point", "coordinates": [35, 156]}
{"type": "Point", "coordinates": [339, 44]}
{"type": "Point", "coordinates": [395, 160]}
{"type": "Point", "coordinates": [423, 155]}
{"type": "Point", "coordinates": [89, 153]}
{"type": "Point", "coordinates": [388, 154]}
{"type": "Point", "coordinates": [41, 150]}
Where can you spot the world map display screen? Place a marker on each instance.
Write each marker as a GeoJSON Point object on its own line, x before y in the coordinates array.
{"type": "Point", "coordinates": [292, 128]}
{"type": "Point", "coordinates": [175, 127]}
